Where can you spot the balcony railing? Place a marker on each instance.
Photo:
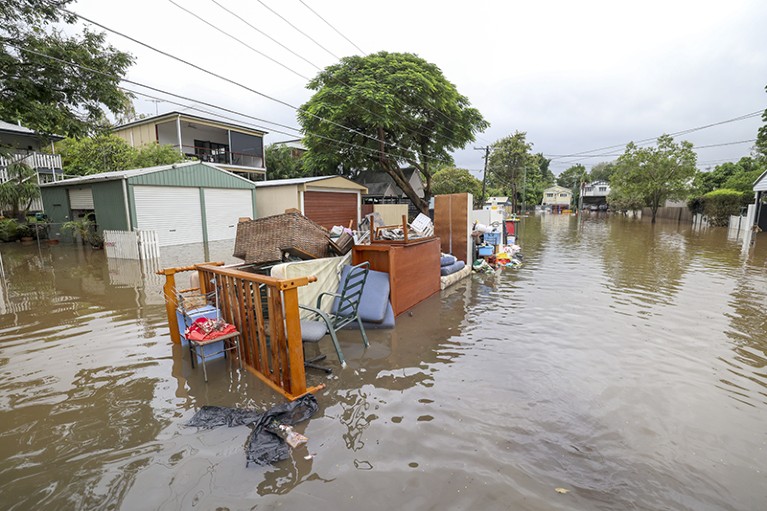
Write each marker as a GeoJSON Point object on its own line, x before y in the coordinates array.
{"type": "Point", "coordinates": [35, 160]}
{"type": "Point", "coordinates": [224, 156]}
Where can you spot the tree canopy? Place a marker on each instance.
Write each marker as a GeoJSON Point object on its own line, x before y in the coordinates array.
{"type": "Point", "coordinates": [572, 178]}
{"type": "Point", "coordinates": [107, 153]}
{"type": "Point", "coordinates": [655, 173]}
{"type": "Point", "coordinates": [602, 171]}
{"type": "Point", "coordinates": [385, 111]}
{"type": "Point", "coordinates": [738, 175]}
{"type": "Point", "coordinates": [282, 164]}
{"type": "Point", "coordinates": [511, 160]}
{"type": "Point", "coordinates": [45, 94]}
{"type": "Point", "coordinates": [453, 180]}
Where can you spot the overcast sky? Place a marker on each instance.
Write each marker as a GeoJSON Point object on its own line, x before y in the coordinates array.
{"type": "Point", "coordinates": [576, 76]}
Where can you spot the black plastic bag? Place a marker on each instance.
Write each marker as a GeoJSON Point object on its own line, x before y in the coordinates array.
{"type": "Point", "coordinates": [265, 444]}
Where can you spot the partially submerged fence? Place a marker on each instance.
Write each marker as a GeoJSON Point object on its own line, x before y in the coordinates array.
{"type": "Point", "coordinates": [264, 310]}
{"type": "Point", "coordinates": [138, 244]}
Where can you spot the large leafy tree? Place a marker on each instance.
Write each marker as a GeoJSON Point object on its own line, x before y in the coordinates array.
{"type": "Point", "coordinates": [537, 179]}
{"type": "Point", "coordinates": [738, 175]}
{"type": "Point", "coordinates": [282, 163]}
{"type": "Point", "coordinates": [573, 178]}
{"type": "Point", "coordinates": [48, 95]}
{"type": "Point", "coordinates": [655, 173]}
{"type": "Point", "coordinates": [107, 153]}
{"type": "Point", "coordinates": [383, 112]}
{"type": "Point", "coordinates": [602, 171]}
{"type": "Point", "coordinates": [453, 180]}
{"type": "Point", "coordinates": [511, 160]}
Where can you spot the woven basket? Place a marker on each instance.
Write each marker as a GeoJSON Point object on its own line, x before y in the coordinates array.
{"type": "Point", "coordinates": [262, 240]}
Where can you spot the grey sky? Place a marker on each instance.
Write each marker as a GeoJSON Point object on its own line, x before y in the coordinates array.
{"type": "Point", "coordinates": [576, 76]}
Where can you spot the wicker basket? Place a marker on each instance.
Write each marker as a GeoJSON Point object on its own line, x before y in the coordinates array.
{"type": "Point", "coordinates": [262, 240]}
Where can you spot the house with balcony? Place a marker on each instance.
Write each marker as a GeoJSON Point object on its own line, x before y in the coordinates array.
{"type": "Point", "coordinates": [26, 146]}
{"type": "Point", "coordinates": [557, 198]}
{"type": "Point", "coordinates": [595, 194]}
{"type": "Point", "coordinates": [229, 146]}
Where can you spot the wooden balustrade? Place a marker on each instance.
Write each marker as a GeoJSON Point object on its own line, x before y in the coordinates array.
{"type": "Point", "coordinates": [265, 312]}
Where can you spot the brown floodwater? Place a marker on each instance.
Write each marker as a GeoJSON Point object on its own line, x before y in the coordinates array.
{"type": "Point", "coordinates": [625, 363]}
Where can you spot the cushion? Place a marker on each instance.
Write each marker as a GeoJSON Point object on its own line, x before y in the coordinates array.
{"type": "Point", "coordinates": [449, 270]}
{"type": "Point", "coordinates": [312, 331]}
{"type": "Point", "coordinates": [447, 260]}
{"type": "Point", "coordinates": [388, 322]}
{"type": "Point", "coordinates": [375, 295]}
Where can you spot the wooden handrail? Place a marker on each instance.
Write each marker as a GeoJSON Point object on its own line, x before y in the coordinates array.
{"type": "Point", "coordinates": [265, 312]}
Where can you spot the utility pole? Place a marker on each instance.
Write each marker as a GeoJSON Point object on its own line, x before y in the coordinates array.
{"type": "Point", "coordinates": [484, 173]}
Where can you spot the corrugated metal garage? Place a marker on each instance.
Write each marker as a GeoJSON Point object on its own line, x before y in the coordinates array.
{"type": "Point", "coordinates": [185, 203]}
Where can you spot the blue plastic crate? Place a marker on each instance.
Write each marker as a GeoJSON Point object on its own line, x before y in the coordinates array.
{"type": "Point", "coordinates": [492, 238]}
{"type": "Point", "coordinates": [485, 251]}
{"type": "Point", "coordinates": [209, 312]}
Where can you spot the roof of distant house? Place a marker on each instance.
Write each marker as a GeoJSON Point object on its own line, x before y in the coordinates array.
{"type": "Point", "coordinates": [300, 181]}
{"type": "Point", "coordinates": [16, 129]}
{"type": "Point", "coordinates": [293, 144]}
{"type": "Point", "coordinates": [187, 117]}
{"type": "Point", "coordinates": [379, 182]}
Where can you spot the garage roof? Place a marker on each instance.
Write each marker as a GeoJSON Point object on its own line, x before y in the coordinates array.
{"type": "Point", "coordinates": [184, 174]}
{"type": "Point", "coordinates": [344, 182]}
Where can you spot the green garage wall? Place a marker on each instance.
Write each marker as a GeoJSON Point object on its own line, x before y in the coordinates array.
{"type": "Point", "coordinates": [109, 204]}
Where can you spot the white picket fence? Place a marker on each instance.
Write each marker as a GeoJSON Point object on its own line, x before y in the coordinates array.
{"type": "Point", "coordinates": [139, 244]}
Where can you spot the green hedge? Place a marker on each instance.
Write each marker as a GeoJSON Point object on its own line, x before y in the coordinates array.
{"type": "Point", "coordinates": [720, 204]}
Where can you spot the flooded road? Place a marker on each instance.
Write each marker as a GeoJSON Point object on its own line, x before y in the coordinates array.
{"type": "Point", "coordinates": [625, 363]}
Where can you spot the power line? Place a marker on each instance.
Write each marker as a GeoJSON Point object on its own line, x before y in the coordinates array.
{"type": "Point", "coordinates": [652, 139]}
{"type": "Point", "coordinates": [86, 68]}
{"type": "Point", "coordinates": [445, 116]}
{"type": "Point", "coordinates": [229, 80]}
{"type": "Point", "coordinates": [275, 41]}
{"type": "Point", "coordinates": [214, 27]}
{"type": "Point", "coordinates": [299, 30]}
{"type": "Point", "coordinates": [331, 26]}
{"type": "Point", "coordinates": [607, 155]}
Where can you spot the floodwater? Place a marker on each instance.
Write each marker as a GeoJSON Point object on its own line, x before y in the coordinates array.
{"type": "Point", "coordinates": [625, 363]}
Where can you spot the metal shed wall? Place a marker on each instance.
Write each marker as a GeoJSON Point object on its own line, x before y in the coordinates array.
{"type": "Point", "coordinates": [56, 205]}
{"type": "Point", "coordinates": [109, 205]}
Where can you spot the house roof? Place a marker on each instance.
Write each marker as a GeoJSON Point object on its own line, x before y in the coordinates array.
{"type": "Point", "coordinates": [500, 200]}
{"type": "Point", "coordinates": [126, 174]}
{"type": "Point", "coordinates": [15, 129]}
{"type": "Point", "coordinates": [293, 144]}
{"type": "Point", "coordinates": [758, 181]}
{"type": "Point", "coordinates": [380, 183]}
{"type": "Point", "coordinates": [186, 117]}
{"type": "Point", "coordinates": [558, 188]}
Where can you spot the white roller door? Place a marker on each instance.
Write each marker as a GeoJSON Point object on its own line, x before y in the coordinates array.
{"type": "Point", "coordinates": [80, 198]}
{"type": "Point", "coordinates": [173, 212]}
{"type": "Point", "coordinates": [223, 208]}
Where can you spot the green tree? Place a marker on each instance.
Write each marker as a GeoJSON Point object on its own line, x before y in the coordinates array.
{"type": "Point", "coordinates": [602, 171]}
{"type": "Point", "coordinates": [18, 191]}
{"type": "Point", "coordinates": [45, 94]}
{"type": "Point", "coordinates": [282, 164]}
{"type": "Point", "coordinates": [107, 153]}
{"type": "Point", "coordinates": [453, 180]}
{"type": "Point", "coordinates": [573, 178]}
{"type": "Point", "coordinates": [655, 173]}
{"type": "Point", "coordinates": [151, 155]}
{"type": "Point", "coordinates": [510, 161]}
{"type": "Point", "coordinates": [537, 179]}
{"type": "Point", "coordinates": [387, 110]}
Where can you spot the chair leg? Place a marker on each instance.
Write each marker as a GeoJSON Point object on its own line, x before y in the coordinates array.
{"type": "Point", "coordinates": [310, 362]}
{"type": "Point", "coordinates": [239, 353]}
{"type": "Point", "coordinates": [204, 370]}
{"type": "Point", "coordinates": [191, 354]}
{"type": "Point", "coordinates": [362, 331]}
{"type": "Point", "coordinates": [337, 346]}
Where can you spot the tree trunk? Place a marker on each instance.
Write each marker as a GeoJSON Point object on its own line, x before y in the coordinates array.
{"type": "Point", "coordinates": [392, 168]}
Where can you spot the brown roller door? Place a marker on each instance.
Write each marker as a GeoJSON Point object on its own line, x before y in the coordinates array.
{"type": "Point", "coordinates": [331, 208]}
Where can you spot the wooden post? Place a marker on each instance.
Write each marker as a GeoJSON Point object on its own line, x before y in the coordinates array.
{"type": "Point", "coordinates": [171, 303]}
{"type": "Point", "coordinates": [295, 347]}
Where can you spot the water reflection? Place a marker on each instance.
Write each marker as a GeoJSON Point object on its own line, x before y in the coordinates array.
{"type": "Point", "coordinates": [623, 361]}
